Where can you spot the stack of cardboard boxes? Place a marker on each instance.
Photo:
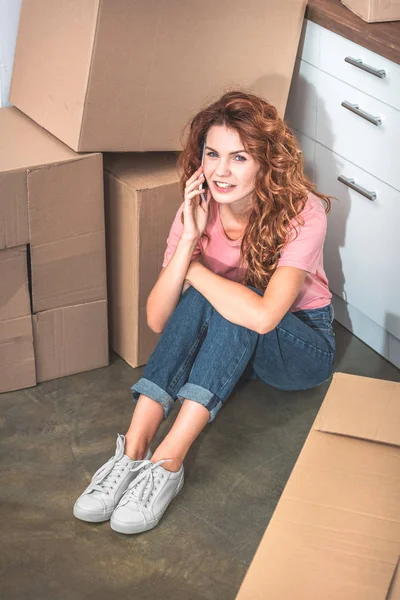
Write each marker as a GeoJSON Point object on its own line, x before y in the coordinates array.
{"type": "Point", "coordinates": [53, 311]}
{"type": "Point", "coordinates": [114, 76]}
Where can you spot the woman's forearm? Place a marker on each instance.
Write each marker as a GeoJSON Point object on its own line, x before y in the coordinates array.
{"type": "Point", "coordinates": [234, 301]}
{"type": "Point", "coordinates": [167, 290]}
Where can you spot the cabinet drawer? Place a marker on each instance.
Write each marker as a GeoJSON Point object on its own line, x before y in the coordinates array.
{"type": "Point", "coordinates": [334, 50]}
{"type": "Point", "coordinates": [363, 244]}
{"type": "Point", "coordinates": [307, 146]}
{"type": "Point", "coordinates": [301, 109]}
{"type": "Point", "coordinates": [372, 147]}
{"type": "Point", "coordinates": [309, 43]}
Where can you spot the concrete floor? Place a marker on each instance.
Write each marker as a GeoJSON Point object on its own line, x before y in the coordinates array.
{"type": "Point", "coordinates": [54, 436]}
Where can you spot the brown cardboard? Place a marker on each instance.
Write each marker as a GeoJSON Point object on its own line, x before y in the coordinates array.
{"type": "Point", "coordinates": [394, 591]}
{"type": "Point", "coordinates": [23, 144]}
{"type": "Point", "coordinates": [17, 362]}
{"type": "Point", "coordinates": [142, 196]}
{"type": "Point", "coordinates": [336, 530]}
{"type": "Point", "coordinates": [14, 228]}
{"type": "Point", "coordinates": [127, 76]}
{"type": "Point", "coordinates": [14, 292]}
{"type": "Point", "coordinates": [70, 340]}
{"type": "Point", "coordinates": [52, 198]}
{"type": "Point", "coordinates": [66, 217]}
{"type": "Point", "coordinates": [375, 10]}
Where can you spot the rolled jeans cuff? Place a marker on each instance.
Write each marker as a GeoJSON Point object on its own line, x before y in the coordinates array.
{"type": "Point", "coordinates": [153, 391]}
{"type": "Point", "coordinates": [203, 396]}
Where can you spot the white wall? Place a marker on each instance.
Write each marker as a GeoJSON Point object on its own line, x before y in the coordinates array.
{"type": "Point", "coordinates": [9, 16]}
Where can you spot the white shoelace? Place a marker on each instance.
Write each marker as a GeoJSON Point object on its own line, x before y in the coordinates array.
{"type": "Point", "coordinates": [145, 483]}
{"type": "Point", "coordinates": [106, 476]}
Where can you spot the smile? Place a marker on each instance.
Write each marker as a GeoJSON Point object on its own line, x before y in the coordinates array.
{"type": "Point", "coordinates": [222, 185]}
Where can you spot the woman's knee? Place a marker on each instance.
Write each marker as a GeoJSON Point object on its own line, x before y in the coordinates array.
{"type": "Point", "coordinates": [192, 300]}
{"type": "Point", "coordinates": [193, 295]}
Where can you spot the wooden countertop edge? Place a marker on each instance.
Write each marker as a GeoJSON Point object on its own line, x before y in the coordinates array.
{"type": "Point", "coordinates": [382, 38]}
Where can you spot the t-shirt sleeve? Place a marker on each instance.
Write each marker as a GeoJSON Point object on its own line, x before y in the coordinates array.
{"type": "Point", "coordinates": [304, 251]}
{"type": "Point", "coordinates": [174, 236]}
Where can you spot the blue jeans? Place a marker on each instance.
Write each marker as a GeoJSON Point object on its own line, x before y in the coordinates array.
{"type": "Point", "coordinates": [201, 356]}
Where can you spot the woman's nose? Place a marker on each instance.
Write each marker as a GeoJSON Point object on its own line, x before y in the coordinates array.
{"type": "Point", "coordinates": [222, 169]}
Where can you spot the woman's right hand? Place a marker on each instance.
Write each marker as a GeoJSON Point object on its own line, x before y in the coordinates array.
{"type": "Point", "coordinates": [195, 210]}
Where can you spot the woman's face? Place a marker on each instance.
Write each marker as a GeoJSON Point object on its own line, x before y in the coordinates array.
{"type": "Point", "coordinates": [226, 162]}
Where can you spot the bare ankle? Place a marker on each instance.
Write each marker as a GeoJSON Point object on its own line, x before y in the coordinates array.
{"type": "Point", "coordinates": [136, 450]}
{"type": "Point", "coordinates": [172, 464]}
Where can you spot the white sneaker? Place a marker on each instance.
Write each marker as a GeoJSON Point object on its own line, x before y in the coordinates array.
{"type": "Point", "coordinates": [102, 495]}
{"type": "Point", "coordinates": [147, 498]}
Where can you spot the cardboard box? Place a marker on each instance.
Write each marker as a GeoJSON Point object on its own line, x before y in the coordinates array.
{"type": "Point", "coordinates": [14, 290]}
{"type": "Point", "coordinates": [127, 76]}
{"type": "Point", "coordinates": [17, 361]}
{"type": "Point", "coordinates": [71, 339]}
{"type": "Point", "coordinates": [375, 10]}
{"type": "Point", "coordinates": [52, 198]}
{"type": "Point", "coordinates": [336, 530]}
{"type": "Point", "coordinates": [141, 196]}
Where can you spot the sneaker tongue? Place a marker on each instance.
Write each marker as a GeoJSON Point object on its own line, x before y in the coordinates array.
{"type": "Point", "coordinates": [125, 460]}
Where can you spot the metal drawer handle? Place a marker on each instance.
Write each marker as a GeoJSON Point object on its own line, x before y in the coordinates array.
{"type": "Point", "coordinates": [357, 62]}
{"type": "Point", "coordinates": [361, 113]}
{"type": "Point", "coordinates": [357, 188]}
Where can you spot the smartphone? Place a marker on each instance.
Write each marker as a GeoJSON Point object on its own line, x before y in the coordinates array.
{"type": "Point", "coordinates": [203, 196]}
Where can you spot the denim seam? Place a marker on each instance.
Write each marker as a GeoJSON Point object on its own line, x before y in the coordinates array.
{"type": "Point", "coordinates": [326, 315]}
{"type": "Point", "coordinates": [165, 399]}
{"type": "Point", "coordinates": [215, 401]}
{"type": "Point", "coordinates": [322, 321]}
{"type": "Point", "coordinates": [192, 396]}
{"type": "Point", "coordinates": [322, 309]}
{"type": "Point", "coordinates": [328, 329]}
{"type": "Point", "coordinates": [305, 343]}
{"type": "Point", "coordinates": [143, 382]}
{"type": "Point", "coordinates": [192, 350]}
{"type": "Point", "coordinates": [236, 366]}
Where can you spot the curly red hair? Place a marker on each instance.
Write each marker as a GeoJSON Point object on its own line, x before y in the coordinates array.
{"type": "Point", "coordinates": [281, 187]}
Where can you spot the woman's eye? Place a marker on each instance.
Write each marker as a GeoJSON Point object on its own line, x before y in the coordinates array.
{"type": "Point", "coordinates": [237, 156]}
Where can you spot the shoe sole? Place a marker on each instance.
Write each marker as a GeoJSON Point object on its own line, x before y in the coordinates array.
{"type": "Point", "coordinates": [90, 517]}
{"type": "Point", "coordinates": [120, 527]}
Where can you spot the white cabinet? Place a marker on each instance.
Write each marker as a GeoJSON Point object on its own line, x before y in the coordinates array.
{"type": "Point", "coordinates": [301, 110]}
{"type": "Point", "coordinates": [9, 17]}
{"type": "Point", "coordinates": [351, 135]}
{"type": "Point", "coordinates": [343, 150]}
{"type": "Point", "coordinates": [308, 147]}
{"type": "Point", "coordinates": [358, 66]}
{"type": "Point", "coordinates": [360, 235]}
{"type": "Point", "coordinates": [310, 43]}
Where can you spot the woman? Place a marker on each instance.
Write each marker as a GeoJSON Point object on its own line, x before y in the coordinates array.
{"type": "Point", "coordinates": [242, 292]}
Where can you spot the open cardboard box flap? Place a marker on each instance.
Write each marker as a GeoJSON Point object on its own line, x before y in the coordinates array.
{"type": "Point", "coordinates": [362, 407]}
{"type": "Point", "coordinates": [335, 532]}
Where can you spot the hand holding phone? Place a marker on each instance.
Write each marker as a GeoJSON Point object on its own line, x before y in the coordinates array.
{"type": "Point", "coordinates": [203, 196]}
{"type": "Point", "coordinates": [195, 213]}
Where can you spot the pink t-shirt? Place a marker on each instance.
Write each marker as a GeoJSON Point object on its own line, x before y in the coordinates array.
{"type": "Point", "coordinates": [222, 255]}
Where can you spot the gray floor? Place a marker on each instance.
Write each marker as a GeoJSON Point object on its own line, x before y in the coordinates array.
{"type": "Point", "coordinates": [54, 436]}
